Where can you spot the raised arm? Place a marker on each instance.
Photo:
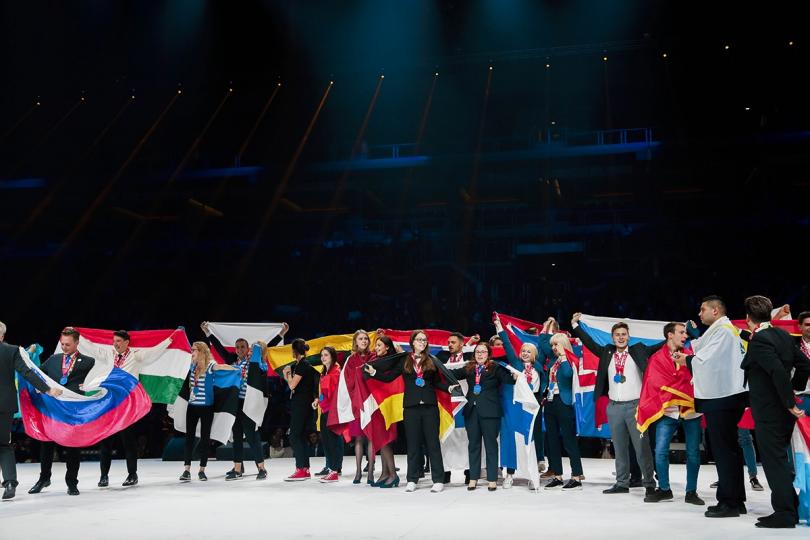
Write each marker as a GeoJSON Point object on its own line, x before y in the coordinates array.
{"type": "Point", "coordinates": [583, 336]}
{"type": "Point", "coordinates": [152, 354]}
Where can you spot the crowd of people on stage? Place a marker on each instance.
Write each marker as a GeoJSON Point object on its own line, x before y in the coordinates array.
{"type": "Point", "coordinates": [715, 378]}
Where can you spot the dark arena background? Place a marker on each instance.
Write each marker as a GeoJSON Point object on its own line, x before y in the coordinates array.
{"type": "Point", "coordinates": [397, 164]}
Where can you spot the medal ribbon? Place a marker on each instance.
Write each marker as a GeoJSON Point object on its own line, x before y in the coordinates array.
{"type": "Point", "coordinates": [619, 360]}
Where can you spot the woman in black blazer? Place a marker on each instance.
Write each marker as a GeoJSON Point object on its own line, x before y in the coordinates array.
{"type": "Point", "coordinates": [421, 411]}
{"type": "Point", "coordinates": [482, 413]}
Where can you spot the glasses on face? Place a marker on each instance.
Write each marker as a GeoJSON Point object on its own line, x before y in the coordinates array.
{"type": "Point", "coordinates": [480, 352]}
{"type": "Point", "coordinates": [421, 340]}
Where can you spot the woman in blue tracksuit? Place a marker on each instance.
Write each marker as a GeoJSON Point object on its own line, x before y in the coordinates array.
{"type": "Point", "coordinates": [561, 420]}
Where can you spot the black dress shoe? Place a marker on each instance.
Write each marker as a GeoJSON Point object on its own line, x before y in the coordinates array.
{"type": "Point", "coordinates": [132, 480]}
{"type": "Point", "coordinates": [692, 498]}
{"type": "Point", "coordinates": [658, 495]}
{"type": "Point", "coordinates": [446, 477]}
{"type": "Point", "coordinates": [104, 481]}
{"type": "Point", "coordinates": [740, 508]}
{"type": "Point", "coordinates": [262, 475]}
{"type": "Point", "coordinates": [41, 483]}
{"type": "Point", "coordinates": [616, 488]}
{"type": "Point", "coordinates": [72, 490]}
{"type": "Point", "coordinates": [722, 511]}
{"type": "Point", "coordinates": [774, 516]}
{"type": "Point", "coordinates": [10, 491]}
{"type": "Point", "coordinates": [772, 522]}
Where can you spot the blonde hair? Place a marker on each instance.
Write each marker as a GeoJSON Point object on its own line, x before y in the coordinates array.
{"type": "Point", "coordinates": [207, 357]}
{"type": "Point", "coordinates": [532, 348]}
{"type": "Point", "coordinates": [354, 341]}
{"type": "Point", "coordinates": [562, 339]}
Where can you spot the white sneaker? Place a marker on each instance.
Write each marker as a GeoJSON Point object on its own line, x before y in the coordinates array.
{"type": "Point", "coordinates": [437, 488]}
{"type": "Point", "coordinates": [411, 487]}
{"type": "Point", "coordinates": [507, 481]}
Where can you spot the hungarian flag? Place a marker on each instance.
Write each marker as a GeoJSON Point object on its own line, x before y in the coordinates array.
{"type": "Point", "coordinates": [78, 420]}
{"type": "Point", "coordinates": [225, 386]}
{"type": "Point", "coordinates": [165, 357]}
{"type": "Point", "coordinates": [665, 384]}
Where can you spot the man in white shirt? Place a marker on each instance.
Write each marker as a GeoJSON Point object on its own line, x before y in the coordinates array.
{"type": "Point", "coordinates": [721, 395]}
{"type": "Point", "coordinates": [619, 375]}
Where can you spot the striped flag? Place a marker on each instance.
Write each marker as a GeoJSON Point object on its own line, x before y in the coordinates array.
{"type": "Point", "coordinates": [77, 420]}
{"type": "Point", "coordinates": [228, 332]}
{"type": "Point", "coordinates": [226, 403]}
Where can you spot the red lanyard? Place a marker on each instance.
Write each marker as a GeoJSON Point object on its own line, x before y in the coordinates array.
{"type": "Point", "coordinates": [417, 368]}
{"type": "Point", "coordinates": [527, 370]}
{"type": "Point", "coordinates": [554, 368]}
{"type": "Point", "coordinates": [804, 347]}
{"type": "Point", "coordinates": [67, 364]}
{"type": "Point", "coordinates": [619, 360]}
{"type": "Point", "coordinates": [479, 369]}
{"type": "Point", "coordinates": [121, 358]}
{"type": "Point", "coordinates": [245, 364]}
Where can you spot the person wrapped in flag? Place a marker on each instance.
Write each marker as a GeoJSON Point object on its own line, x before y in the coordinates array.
{"type": "Point", "coordinates": [201, 408]}
{"type": "Point", "coordinates": [302, 378]}
{"type": "Point", "coordinates": [69, 368]}
{"type": "Point", "coordinates": [332, 442]}
{"type": "Point", "coordinates": [530, 362]}
{"type": "Point", "coordinates": [249, 361]}
{"type": "Point", "coordinates": [361, 354]}
{"type": "Point", "coordinates": [420, 374]}
{"type": "Point", "coordinates": [384, 346]}
{"type": "Point", "coordinates": [667, 401]}
{"type": "Point", "coordinates": [560, 415]}
{"type": "Point", "coordinates": [132, 361]}
{"type": "Point", "coordinates": [483, 412]}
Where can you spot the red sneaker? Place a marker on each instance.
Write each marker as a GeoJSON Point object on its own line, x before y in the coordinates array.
{"type": "Point", "coordinates": [331, 477]}
{"type": "Point", "coordinates": [298, 475]}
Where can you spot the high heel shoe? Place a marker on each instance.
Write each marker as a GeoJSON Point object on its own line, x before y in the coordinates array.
{"type": "Point", "coordinates": [472, 485]}
{"type": "Point", "coordinates": [392, 484]}
{"type": "Point", "coordinates": [357, 479]}
{"type": "Point", "coordinates": [370, 481]}
{"type": "Point", "coordinates": [380, 481]}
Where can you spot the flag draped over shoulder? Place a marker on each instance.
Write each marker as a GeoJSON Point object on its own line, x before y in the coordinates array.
{"type": "Point", "coordinates": [520, 412]}
{"type": "Point", "coordinates": [665, 384]}
{"type": "Point", "coordinates": [77, 420]}
{"type": "Point", "coordinates": [161, 377]}
{"type": "Point", "coordinates": [225, 402]}
{"type": "Point", "coordinates": [791, 326]}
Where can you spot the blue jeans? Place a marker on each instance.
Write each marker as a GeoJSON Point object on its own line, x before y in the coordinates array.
{"type": "Point", "coordinates": [665, 428]}
{"type": "Point", "coordinates": [746, 442]}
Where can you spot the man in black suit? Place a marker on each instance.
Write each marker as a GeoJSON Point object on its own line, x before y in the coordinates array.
{"type": "Point", "coordinates": [70, 370]}
{"type": "Point", "coordinates": [11, 361]}
{"type": "Point", "coordinates": [619, 376]}
{"type": "Point", "coordinates": [768, 363]}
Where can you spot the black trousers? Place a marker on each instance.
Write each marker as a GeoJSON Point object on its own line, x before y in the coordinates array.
{"type": "Point", "coordinates": [245, 427]}
{"type": "Point", "coordinates": [8, 464]}
{"type": "Point", "coordinates": [205, 415]}
{"type": "Point", "coordinates": [728, 456]}
{"type": "Point", "coordinates": [72, 460]}
{"type": "Point", "coordinates": [422, 427]}
{"type": "Point", "coordinates": [130, 443]}
{"type": "Point", "coordinates": [301, 424]}
{"type": "Point", "coordinates": [488, 428]}
{"type": "Point", "coordinates": [332, 445]}
{"type": "Point", "coordinates": [773, 440]}
{"type": "Point", "coordinates": [561, 426]}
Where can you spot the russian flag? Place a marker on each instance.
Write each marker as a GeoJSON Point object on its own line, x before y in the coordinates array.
{"type": "Point", "coordinates": [76, 420]}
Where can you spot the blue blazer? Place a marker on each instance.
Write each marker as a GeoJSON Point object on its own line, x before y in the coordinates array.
{"type": "Point", "coordinates": [565, 382]}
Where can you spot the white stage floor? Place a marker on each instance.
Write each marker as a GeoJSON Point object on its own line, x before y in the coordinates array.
{"type": "Point", "coordinates": [161, 507]}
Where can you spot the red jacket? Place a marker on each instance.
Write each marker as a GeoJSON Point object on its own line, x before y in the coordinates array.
{"type": "Point", "coordinates": [329, 385]}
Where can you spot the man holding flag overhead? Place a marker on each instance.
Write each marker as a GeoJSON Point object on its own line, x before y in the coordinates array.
{"type": "Point", "coordinates": [10, 362]}
{"type": "Point", "coordinates": [619, 376]}
{"type": "Point", "coordinates": [132, 361]}
{"type": "Point", "coordinates": [69, 368]}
